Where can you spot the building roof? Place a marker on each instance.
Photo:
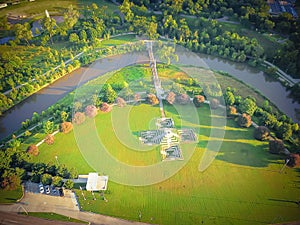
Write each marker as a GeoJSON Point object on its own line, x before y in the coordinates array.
{"type": "Point", "coordinates": [96, 183]}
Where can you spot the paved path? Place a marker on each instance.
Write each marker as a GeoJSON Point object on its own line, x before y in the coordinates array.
{"type": "Point", "coordinates": [61, 205]}
{"type": "Point", "coordinates": [156, 81]}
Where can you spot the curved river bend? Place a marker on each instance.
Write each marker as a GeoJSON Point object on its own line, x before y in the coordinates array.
{"type": "Point", "coordinates": [272, 89]}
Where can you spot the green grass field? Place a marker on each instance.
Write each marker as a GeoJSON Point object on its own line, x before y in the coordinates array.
{"type": "Point", "coordinates": [242, 185]}
{"type": "Point", "coordinates": [56, 7]}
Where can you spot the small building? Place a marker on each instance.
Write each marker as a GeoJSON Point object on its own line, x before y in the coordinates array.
{"type": "Point", "coordinates": [96, 182]}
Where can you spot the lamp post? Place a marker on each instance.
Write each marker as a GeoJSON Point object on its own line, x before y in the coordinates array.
{"type": "Point", "coordinates": [287, 161]}
{"type": "Point", "coordinates": [56, 159]}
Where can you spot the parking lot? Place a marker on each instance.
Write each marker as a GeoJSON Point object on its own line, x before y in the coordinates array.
{"type": "Point", "coordinates": [42, 189]}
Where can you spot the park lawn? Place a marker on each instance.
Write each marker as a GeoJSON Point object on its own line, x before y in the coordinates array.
{"type": "Point", "coordinates": [54, 216]}
{"type": "Point", "coordinates": [119, 40]}
{"type": "Point", "coordinates": [242, 186]}
{"type": "Point", "coordinates": [10, 196]}
{"type": "Point", "coordinates": [54, 7]}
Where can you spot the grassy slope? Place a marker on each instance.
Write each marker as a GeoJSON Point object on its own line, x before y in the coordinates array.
{"type": "Point", "coordinates": [54, 216]}
{"type": "Point", "coordinates": [10, 196]}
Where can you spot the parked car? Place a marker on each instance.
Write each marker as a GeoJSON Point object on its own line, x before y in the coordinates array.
{"type": "Point", "coordinates": [47, 190]}
{"type": "Point", "coordinates": [41, 188]}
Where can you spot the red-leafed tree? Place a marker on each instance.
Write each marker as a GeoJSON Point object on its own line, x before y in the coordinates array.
{"type": "Point", "coordinates": [171, 97]}
{"type": "Point", "coordinates": [214, 103]}
{"type": "Point", "coordinates": [33, 150]}
{"type": "Point", "coordinates": [105, 107]}
{"type": "Point", "coordinates": [49, 139]}
{"type": "Point", "coordinates": [183, 99]}
{"type": "Point", "coordinates": [66, 127]}
{"type": "Point", "coordinates": [78, 118]}
{"type": "Point", "coordinates": [294, 160]}
{"type": "Point", "coordinates": [152, 99]}
{"type": "Point", "coordinates": [198, 100]}
{"type": "Point", "coordinates": [120, 102]}
{"type": "Point", "coordinates": [91, 111]}
{"type": "Point", "coordinates": [244, 120]}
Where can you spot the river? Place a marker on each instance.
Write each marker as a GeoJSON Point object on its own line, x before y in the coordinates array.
{"type": "Point", "coordinates": [272, 89]}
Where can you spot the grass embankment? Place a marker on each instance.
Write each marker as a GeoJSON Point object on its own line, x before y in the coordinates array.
{"type": "Point", "coordinates": [242, 185]}
{"type": "Point", "coordinates": [10, 196]}
{"type": "Point", "coordinates": [55, 217]}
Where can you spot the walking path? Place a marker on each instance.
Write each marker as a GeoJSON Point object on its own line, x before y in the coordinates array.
{"type": "Point", "coordinates": [157, 82]}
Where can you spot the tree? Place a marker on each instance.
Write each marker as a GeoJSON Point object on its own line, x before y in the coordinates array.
{"type": "Point", "coordinates": [91, 111]}
{"type": "Point", "coordinates": [10, 181]}
{"type": "Point", "coordinates": [183, 99]}
{"type": "Point", "coordinates": [66, 127]}
{"type": "Point", "coordinates": [171, 97]}
{"type": "Point", "coordinates": [77, 106]}
{"type": "Point", "coordinates": [137, 97]}
{"type": "Point", "coordinates": [23, 32]}
{"type": "Point", "coordinates": [105, 107]}
{"type": "Point", "coordinates": [63, 116]}
{"type": "Point", "coordinates": [214, 103]}
{"type": "Point", "coordinates": [120, 102]}
{"type": "Point", "coordinates": [232, 110]}
{"type": "Point", "coordinates": [48, 127]}
{"type": "Point", "coordinates": [33, 150]}
{"type": "Point", "coordinates": [57, 181]}
{"type": "Point", "coordinates": [276, 146]}
{"type": "Point", "coordinates": [285, 131]}
{"type": "Point", "coordinates": [49, 139]}
{"type": "Point", "coordinates": [198, 100]}
{"type": "Point", "coordinates": [244, 120]}
{"type": "Point", "coordinates": [78, 118]}
{"type": "Point", "coordinates": [248, 106]}
{"type": "Point", "coordinates": [166, 54]}
{"type": "Point", "coordinates": [229, 98]}
{"type": "Point", "coordinates": [46, 179]}
{"type": "Point", "coordinates": [261, 133]}
{"type": "Point", "coordinates": [125, 8]}
{"type": "Point", "coordinates": [69, 184]}
{"type": "Point", "coordinates": [108, 94]}
{"type": "Point", "coordinates": [49, 25]}
{"type": "Point", "coordinates": [294, 160]}
{"type": "Point", "coordinates": [152, 99]}
{"type": "Point", "coordinates": [74, 38]}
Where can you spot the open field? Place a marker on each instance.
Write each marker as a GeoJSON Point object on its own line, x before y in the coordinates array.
{"type": "Point", "coordinates": [242, 185]}
{"type": "Point", "coordinates": [56, 7]}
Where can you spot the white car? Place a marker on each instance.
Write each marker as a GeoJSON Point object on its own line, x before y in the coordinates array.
{"type": "Point", "coordinates": [47, 190]}
{"type": "Point", "coordinates": [41, 188]}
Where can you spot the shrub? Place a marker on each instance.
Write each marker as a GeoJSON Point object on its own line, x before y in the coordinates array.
{"type": "Point", "coordinates": [105, 107]}
{"type": "Point", "coordinates": [244, 120]}
{"type": "Point", "coordinates": [33, 150]}
{"type": "Point", "coordinates": [57, 181]}
{"type": "Point", "coordinates": [276, 146]}
{"type": "Point", "coordinates": [69, 184]}
{"type": "Point", "coordinates": [49, 139]}
{"type": "Point", "coordinates": [78, 118]}
{"type": "Point", "coordinates": [248, 106]}
{"type": "Point", "coordinates": [285, 131]}
{"type": "Point", "coordinates": [46, 179]}
{"type": "Point", "coordinates": [137, 97]}
{"type": "Point", "coordinates": [152, 99]}
{"type": "Point", "coordinates": [120, 102]}
{"type": "Point", "coordinates": [261, 133]}
{"type": "Point", "coordinates": [198, 100]}
{"type": "Point", "coordinates": [183, 99]}
{"type": "Point", "coordinates": [171, 97]}
{"type": "Point", "coordinates": [214, 103]}
{"type": "Point", "coordinates": [66, 127]}
{"type": "Point", "coordinates": [91, 111]}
